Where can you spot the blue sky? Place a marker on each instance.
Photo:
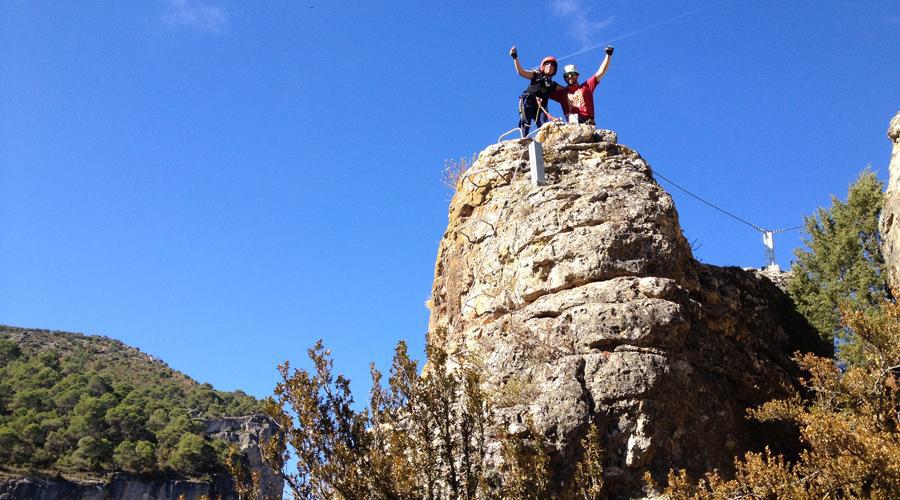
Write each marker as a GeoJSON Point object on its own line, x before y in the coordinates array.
{"type": "Point", "coordinates": [221, 183]}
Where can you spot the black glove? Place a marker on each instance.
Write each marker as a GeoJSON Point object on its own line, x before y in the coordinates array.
{"type": "Point", "coordinates": [609, 50]}
{"type": "Point", "coordinates": [513, 53]}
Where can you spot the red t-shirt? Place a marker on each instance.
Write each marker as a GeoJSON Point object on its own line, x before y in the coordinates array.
{"type": "Point", "coordinates": [577, 98]}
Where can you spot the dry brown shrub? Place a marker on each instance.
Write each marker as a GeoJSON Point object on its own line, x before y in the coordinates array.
{"type": "Point", "coordinates": [454, 169]}
{"type": "Point", "coordinates": [849, 426]}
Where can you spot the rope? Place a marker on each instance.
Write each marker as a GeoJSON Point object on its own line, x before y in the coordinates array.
{"type": "Point", "coordinates": [540, 103]}
{"type": "Point", "coordinates": [726, 212]}
{"type": "Point", "coordinates": [550, 119]}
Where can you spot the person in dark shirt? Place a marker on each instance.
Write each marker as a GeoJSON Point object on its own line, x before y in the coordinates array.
{"type": "Point", "coordinates": [536, 95]}
{"type": "Point", "coordinates": [577, 100]}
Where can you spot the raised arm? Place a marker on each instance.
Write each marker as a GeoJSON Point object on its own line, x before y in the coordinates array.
{"type": "Point", "coordinates": [605, 64]}
{"type": "Point", "coordinates": [524, 73]}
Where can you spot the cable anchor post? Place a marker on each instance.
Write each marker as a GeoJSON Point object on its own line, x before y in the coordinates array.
{"type": "Point", "coordinates": [769, 241]}
{"type": "Point", "coordinates": [536, 161]}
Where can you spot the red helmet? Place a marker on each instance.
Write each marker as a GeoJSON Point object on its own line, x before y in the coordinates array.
{"type": "Point", "coordinates": [552, 60]}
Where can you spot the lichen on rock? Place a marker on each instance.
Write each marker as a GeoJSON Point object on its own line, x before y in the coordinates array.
{"type": "Point", "coordinates": [585, 306]}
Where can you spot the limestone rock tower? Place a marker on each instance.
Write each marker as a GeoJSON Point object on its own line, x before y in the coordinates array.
{"type": "Point", "coordinates": [584, 305]}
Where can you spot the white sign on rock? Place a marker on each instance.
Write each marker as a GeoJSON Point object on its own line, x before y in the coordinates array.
{"type": "Point", "coordinates": [536, 159]}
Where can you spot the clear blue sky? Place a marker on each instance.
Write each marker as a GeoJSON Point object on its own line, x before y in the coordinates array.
{"type": "Point", "coordinates": [221, 183]}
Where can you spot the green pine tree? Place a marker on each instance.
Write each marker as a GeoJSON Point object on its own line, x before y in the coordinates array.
{"type": "Point", "coordinates": [843, 264]}
{"type": "Point", "coordinates": [192, 456]}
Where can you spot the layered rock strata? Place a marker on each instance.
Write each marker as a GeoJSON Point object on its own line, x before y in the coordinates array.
{"type": "Point", "coordinates": [583, 303]}
{"type": "Point", "coordinates": [890, 214]}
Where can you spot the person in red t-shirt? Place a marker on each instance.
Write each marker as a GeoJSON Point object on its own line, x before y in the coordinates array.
{"type": "Point", "coordinates": [579, 99]}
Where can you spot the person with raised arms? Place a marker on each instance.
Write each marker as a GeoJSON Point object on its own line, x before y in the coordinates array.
{"type": "Point", "coordinates": [577, 100]}
{"type": "Point", "coordinates": [533, 101]}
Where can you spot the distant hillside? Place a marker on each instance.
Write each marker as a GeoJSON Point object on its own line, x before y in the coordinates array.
{"type": "Point", "coordinates": [90, 404]}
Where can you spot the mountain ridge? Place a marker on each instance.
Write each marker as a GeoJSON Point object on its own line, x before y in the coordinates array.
{"type": "Point", "coordinates": [95, 409]}
{"type": "Point", "coordinates": [52, 338]}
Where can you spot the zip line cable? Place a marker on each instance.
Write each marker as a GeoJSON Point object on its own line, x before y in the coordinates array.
{"type": "Point", "coordinates": [726, 212]}
{"type": "Point", "coordinates": [637, 32]}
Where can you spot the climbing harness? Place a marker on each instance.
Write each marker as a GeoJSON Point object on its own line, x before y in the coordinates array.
{"type": "Point", "coordinates": [541, 109]}
{"type": "Point", "coordinates": [546, 113]}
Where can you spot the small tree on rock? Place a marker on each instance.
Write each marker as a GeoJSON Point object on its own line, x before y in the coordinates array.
{"type": "Point", "coordinates": [843, 264]}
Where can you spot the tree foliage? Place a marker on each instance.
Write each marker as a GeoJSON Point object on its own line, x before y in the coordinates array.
{"type": "Point", "coordinates": [193, 455]}
{"type": "Point", "coordinates": [247, 483]}
{"type": "Point", "coordinates": [423, 435]}
{"type": "Point", "coordinates": [843, 263]}
{"type": "Point", "coordinates": [848, 418]}
{"type": "Point", "coordinates": [850, 427]}
{"type": "Point", "coordinates": [93, 405]}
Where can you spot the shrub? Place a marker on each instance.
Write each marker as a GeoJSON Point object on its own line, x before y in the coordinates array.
{"type": "Point", "coordinates": [850, 427]}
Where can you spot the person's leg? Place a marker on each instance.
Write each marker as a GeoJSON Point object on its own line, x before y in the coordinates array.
{"type": "Point", "coordinates": [527, 109]}
{"type": "Point", "coordinates": [523, 121]}
{"type": "Point", "coordinates": [539, 118]}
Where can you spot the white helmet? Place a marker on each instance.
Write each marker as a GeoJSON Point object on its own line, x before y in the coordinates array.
{"type": "Point", "coordinates": [570, 68]}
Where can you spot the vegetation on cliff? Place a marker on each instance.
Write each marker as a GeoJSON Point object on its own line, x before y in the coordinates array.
{"type": "Point", "coordinates": [850, 427]}
{"type": "Point", "coordinates": [86, 404]}
{"type": "Point", "coordinates": [842, 264]}
{"type": "Point", "coordinates": [422, 436]}
{"type": "Point", "coordinates": [425, 434]}
{"type": "Point", "coordinates": [849, 415]}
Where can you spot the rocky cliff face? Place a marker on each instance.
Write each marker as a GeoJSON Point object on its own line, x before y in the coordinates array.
{"type": "Point", "coordinates": [121, 486]}
{"type": "Point", "coordinates": [583, 302]}
{"type": "Point", "coordinates": [244, 432]}
{"type": "Point", "coordinates": [247, 433]}
{"type": "Point", "coordinates": [890, 214]}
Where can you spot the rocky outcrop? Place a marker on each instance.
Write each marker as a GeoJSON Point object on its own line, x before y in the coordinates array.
{"type": "Point", "coordinates": [244, 432]}
{"type": "Point", "coordinates": [890, 214]}
{"type": "Point", "coordinates": [121, 486]}
{"type": "Point", "coordinates": [247, 433]}
{"type": "Point", "coordinates": [778, 277]}
{"type": "Point", "coordinates": [583, 302]}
